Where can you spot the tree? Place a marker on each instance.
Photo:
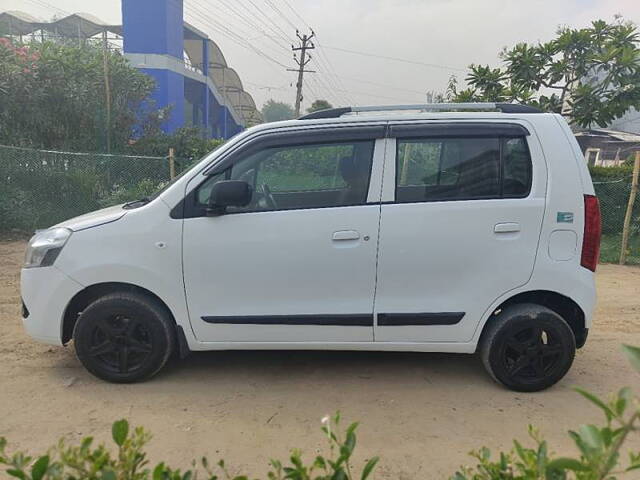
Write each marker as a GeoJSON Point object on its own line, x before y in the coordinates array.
{"type": "Point", "coordinates": [52, 95]}
{"type": "Point", "coordinates": [319, 105]}
{"type": "Point", "coordinates": [591, 75]}
{"type": "Point", "coordinates": [273, 111]}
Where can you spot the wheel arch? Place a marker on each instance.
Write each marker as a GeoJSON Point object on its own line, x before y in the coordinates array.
{"type": "Point", "coordinates": [91, 293]}
{"type": "Point", "coordinates": [564, 306]}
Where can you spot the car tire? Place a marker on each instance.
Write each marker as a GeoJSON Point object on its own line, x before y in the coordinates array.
{"type": "Point", "coordinates": [124, 337]}
{"type": "Point", "coordinates": [527, 347]}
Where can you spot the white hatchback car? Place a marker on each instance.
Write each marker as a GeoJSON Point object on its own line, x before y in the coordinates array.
{"type": "Point", "coordinates": [411, 228]}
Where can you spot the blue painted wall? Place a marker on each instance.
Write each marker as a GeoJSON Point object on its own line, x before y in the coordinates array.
{"type": "Point", "coordinates": [153, 26]}
{"type": "Point", "coordinates": [157, 27]}
{"type": "Point", "coordinates": [169, 92]}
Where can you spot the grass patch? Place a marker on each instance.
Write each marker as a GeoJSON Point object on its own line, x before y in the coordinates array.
{"type": "Point", "coordinates": [610, 249]}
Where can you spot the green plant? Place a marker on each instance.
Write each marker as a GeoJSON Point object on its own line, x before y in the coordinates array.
{"type": "Point", "coordinates": [189, 144]}
{"type": "Point", "coordinates": [593, 74]}
{"type": "Point", "coordinates": [52, 95]}
{"type": "Point", "coordinates": [600, 447]}
{"type": "Point", "coordinates": [319, 105]}
{"type": "Point", "coordinates": [273, 111]}
{"type": "Point", "coordinates": [129, 462]}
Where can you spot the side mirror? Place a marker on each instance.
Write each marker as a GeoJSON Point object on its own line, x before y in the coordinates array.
{"type": "Point", "coordinates": [229, 193]}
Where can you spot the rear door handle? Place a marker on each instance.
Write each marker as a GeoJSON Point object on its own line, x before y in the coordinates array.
{"type": "Point", "coordinates": [345, 235]}
{"type": "Point", "coordinates": [508, 227]}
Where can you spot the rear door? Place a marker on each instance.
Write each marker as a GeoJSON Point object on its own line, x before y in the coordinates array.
{"type": "Point", "coordinates": [459, 228]}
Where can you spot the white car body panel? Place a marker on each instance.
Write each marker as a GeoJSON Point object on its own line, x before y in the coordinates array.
{"type": "Point", "coordinates": [422, 257]}
{"type": "Point", "coordinates": [94, 219]}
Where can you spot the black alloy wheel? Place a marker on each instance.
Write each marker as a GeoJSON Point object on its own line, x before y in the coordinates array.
{"type": "Point", "coordinates": [124, 337]}
{"type": "Point", "coordinates": [528, 347]}
{"type": "Point", "coordinates": [120, 343]}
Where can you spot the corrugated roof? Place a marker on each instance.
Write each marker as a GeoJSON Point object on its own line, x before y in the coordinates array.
{"type": "Point", "coordinates": [613, 134]}
{"type": "Point", "coordinates": [82, 25]}
{"type": "Point", "coordinates": [15, 22]}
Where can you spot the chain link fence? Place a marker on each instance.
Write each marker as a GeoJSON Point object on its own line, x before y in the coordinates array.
{"type": "Point", "coordinates": [40, 188]}
{"type": "Point", "coordinates": [614, 197]}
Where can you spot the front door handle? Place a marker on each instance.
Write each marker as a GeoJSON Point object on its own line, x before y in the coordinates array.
{"type": "Point", "coordinates": [345, 235]}
{"type": "Point", "coordinates": [508, 227]}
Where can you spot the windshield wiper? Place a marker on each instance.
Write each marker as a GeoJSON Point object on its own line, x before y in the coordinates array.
{"type": "Point", "coordinates": [136, 203]}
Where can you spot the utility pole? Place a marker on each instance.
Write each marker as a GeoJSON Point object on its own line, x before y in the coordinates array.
{"type": "Point", "coordinates": [305, 44]}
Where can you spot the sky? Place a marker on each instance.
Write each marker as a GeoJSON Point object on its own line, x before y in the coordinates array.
{"type": "Point", "coordinates": [434, 38]}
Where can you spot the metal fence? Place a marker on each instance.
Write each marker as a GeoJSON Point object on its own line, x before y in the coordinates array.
{"type": "Point", "coordinates": [614, 196]}
{"type": "Point", "coordinates": [40, 188]}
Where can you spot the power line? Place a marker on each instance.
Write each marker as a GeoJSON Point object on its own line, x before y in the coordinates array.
{"type": "Point", "coordinates": [332, 72]}
{"type": "Point", "coordinates": [375, 95]}
{"type": "Point", "coordinates": [278, 30]}
{"type": "Point", "coordinates": [251, 23]}
{"type": "Point", "coordinates": [296, 14]}
{"type": "Point", "coordinates": [383, 85]}
{"type": "Point", "coordinates": [397, 59]}
{"type": "Point", "coordinates": [275, 8]}
{"type": "Point", "coordinates": [222, 29]}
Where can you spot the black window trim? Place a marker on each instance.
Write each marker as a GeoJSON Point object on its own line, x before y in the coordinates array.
{"type": "Point", "coordinates": [454, 129]}
{"type": "Point", "coordinates": [333, 134]}
{"type": "Point", "coordinates": [435, 133]}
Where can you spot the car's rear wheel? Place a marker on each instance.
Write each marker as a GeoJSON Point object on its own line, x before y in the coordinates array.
{"type": "Point", "coordinates": [124, 337]}
{"type": "Point", "coordinates": [528, 347]}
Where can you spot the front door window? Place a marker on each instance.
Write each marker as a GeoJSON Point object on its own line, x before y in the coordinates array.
{"type": "Point", "coordinates": [304, 176]}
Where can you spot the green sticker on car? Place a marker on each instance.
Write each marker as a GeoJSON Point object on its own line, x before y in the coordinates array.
{"type": "Point", "coordinates": [565, 217]}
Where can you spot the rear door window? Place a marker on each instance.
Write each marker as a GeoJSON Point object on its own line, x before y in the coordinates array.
{"type": "Point", "coordinates": [463, 168]}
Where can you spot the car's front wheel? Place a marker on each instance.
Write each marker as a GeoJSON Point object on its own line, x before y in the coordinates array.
{"type": "Point", "coordinates": [528, 347]}
{"type": "Point", "coordinates": [124, 337]}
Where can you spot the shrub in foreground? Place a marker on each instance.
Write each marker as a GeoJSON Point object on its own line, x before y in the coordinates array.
{"type": "Point", "coordinates": [600, 454]}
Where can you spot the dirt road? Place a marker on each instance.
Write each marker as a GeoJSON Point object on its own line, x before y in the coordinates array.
{"type": "Point", "coordinates": [421, 412]}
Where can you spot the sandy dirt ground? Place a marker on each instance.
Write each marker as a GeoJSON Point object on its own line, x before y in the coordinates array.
{"type": "Point", "coordinates": [422, 412]}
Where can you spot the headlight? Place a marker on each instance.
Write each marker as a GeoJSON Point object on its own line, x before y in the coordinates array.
{"type": "Point", "coordinates": [45, 246]}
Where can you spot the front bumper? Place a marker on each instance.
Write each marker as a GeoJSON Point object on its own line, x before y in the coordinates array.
{"type": "Point", "coordinates": [46, 292]}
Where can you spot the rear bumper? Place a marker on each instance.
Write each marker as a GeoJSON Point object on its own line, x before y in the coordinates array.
{"type": "Point", "coordinates": [46, 292]}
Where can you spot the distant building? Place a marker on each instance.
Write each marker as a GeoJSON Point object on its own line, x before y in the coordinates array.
{"type": "Point", "coordinates": [606, 147]}
{"type": "Point", "coordinates": [190, 70]}
{"type": "Point", "coordinates": [629, 122]}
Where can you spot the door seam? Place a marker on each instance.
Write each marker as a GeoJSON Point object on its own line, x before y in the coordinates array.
{"type": "Point", "coordinates": [375, 283]}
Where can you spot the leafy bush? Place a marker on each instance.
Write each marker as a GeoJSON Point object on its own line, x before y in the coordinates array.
{"type": "Point", "coordinates": [189, 143]}
{"type": "Point", "coordinates": [604, 174]}
{"type": "Point", "coordinates": [87, 462]}
{"type": "Point", "coordinates": [600, 454]}
{"type": "Point", "coordinates": [600, 447]}
{"type": "Point", "coordinates": [52, 95]}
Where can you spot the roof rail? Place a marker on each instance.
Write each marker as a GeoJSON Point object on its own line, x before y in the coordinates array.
{"type": "Point", "coordinates": [502, 107]}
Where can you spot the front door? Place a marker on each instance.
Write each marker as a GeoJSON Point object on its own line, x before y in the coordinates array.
{"type": "Point", "coordinates": [297, 264]}
{"type": "Point", "coordinates": [461, 230]}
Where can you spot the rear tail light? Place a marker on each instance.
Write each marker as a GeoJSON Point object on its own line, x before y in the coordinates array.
{"type": "Point", "coordinates": [592, 232]}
